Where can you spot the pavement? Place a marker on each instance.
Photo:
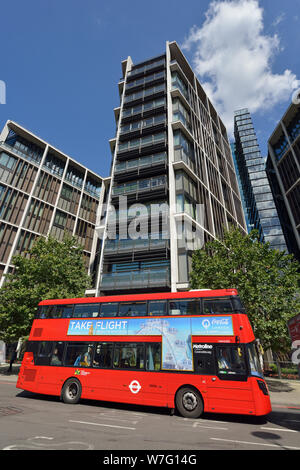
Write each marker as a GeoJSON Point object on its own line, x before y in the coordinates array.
{"type": "Point", "coordinates": [283, 393]}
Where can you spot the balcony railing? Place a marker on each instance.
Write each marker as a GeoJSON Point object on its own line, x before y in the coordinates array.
{"type": "Point", "coordinates": [142, 279]}
{"type": "Point", "coordinates": [144, 185]}
{"type": "Point", "coordinates": [143, 142]}
{"type": "Point", "coordinates": [145, 80]}
{"type": "Point", "coordinates": [32, 157]}
{"type": "Point", "coordinates": [129, 245]}
{"type": "Point", "coordinates": [147, 67]}
{"type": "Point", "coordinates": [142, 162]}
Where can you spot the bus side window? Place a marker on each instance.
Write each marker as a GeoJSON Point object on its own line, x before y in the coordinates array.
{"type": "Point", "coordinates": [79, 354]}
{"type": "Point", "coordinates": [66, 311]}
{"type": "Point", "coordinates": [43, 311]}
{"type": "Point", "coordinates": [153, 356]}
{"type": "Point", "coordinates": [58, 352]}
{"type": "Point", "coordinates": [215, 306]}
{"type": "Point", "coordinates": [158, 307]}
{"type": "Point", "coordinates": [184, 307]}
{"type": "Point", "coordinates": [133, 309]}
{"type": "Point", "coordinates": [103, 355]}
{"type": "Point", "coordinates": [109, 309]}
{"type": "Point", "coordinates": [129, 356]}
{"type": "Point", "coordinates": [86, 310]}
{"type": "Point", "coordinates": [51, 311]}
{"type": "Point", "coordinates": [44, 353]}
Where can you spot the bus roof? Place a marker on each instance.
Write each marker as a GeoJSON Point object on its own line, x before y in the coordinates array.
{"type": "Point", "coordinates": [133, 297]}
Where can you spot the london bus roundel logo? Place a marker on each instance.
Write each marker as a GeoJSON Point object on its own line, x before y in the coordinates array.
{"type": "Point", "coordinates": [135, 386]}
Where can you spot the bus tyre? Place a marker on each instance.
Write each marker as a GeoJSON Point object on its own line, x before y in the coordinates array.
{"type": "Point", "coordinates": [189, 402]}
{"type": "Point", "coordinates": [71, 391]}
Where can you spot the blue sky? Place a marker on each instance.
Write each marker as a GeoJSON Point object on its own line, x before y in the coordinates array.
{"type": "Point", "coordinates": [61, 62]}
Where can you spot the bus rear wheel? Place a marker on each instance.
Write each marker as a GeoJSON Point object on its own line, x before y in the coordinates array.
{"type": "Point", "coordinates": [71, 391]}
{"type": "Point", "coordinates": [189, 402]}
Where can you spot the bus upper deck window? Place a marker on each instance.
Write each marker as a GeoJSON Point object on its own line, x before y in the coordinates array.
{"type": "Point", "coordinates": [133, 309]}
{"type": "Point", "coordinates": [86, 310]}
{"type": "Point", "coordinates": [66, 311]}
{"type": "Point", "coordinates": [217, 306]}
{"type": "Point", "coordinates": [109, 309]}
{"type": "Point", "coordinates": [158, 307]}
{"type": "Point", "coordinates": [184, 307]}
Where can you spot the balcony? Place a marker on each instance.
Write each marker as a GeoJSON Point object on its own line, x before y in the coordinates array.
{"type": "Point", "coordinates": [135, 188]}
{"type": "Point", "coordinates": [135, 128]}
{"type": "Point", "coordinates": [143, 94]}
{"type": "Point", "coordinates": [30, 156]}
{"type": "Point", "coordinates": [148, 144]}
{"type": "Point", "coordinates": [143, 279]}
{"type": "Point", "coordinates": [144, 81]}
{"type": "Point", "coordinates": [145, 68]}
{"type": "Point", "coordinates": [140, 166]}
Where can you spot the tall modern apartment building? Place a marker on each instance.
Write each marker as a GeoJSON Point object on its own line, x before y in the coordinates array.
{"type": "Point", "coordinates": [172, 171]}
{"type": "Point", "coordinates": [283, 169]}
{"type": "Point", "coordinates": [43, 192]}
{"type": "Point", "coordinates": [256, 192]}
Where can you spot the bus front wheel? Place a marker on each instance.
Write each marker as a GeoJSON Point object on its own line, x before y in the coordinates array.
{"type": "Point", "coordinates": [71, 391]}
{"type": "Point", "coordinates": [189, 402]}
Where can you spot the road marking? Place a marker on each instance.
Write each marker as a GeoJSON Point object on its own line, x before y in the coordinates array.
{"type": "Point", "coordinates": [100, 424]}
{"type": "Point", "coordinates": [118, 419]}
{"type": "Point", "coordinates": [199, 426]}
{"type": "Point", "coordinates": [278, 429]}
{"type": "Point", "coordinates": [255, 443]}
{"type": "Point", "coordinates": [208, 421]}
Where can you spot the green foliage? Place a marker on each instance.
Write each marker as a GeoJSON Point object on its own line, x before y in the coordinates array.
{"type": "Point", "coordinates": [267, 281]}
{"type": "Point", "coordinates": [53, 270]}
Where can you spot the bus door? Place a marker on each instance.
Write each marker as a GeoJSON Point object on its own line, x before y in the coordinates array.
{"type": "Point", "coordinates": [204, 365]}
{"type": "Point", "coordinates": [228, 389]}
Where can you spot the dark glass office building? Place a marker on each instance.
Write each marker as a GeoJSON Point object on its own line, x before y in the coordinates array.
{"type": "Point", "coordinates": [283, 169]}
{"type": "Point", "coordinates": [258, 198]}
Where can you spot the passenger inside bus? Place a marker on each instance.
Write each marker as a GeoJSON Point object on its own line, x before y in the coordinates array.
{"type": "Point", "coordinates": [55, 360]}
{"type": "Point", "coordinates": [84, 359]}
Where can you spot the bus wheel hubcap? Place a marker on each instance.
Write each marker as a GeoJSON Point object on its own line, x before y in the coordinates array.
{"type": "Point", "coordinates": [73, 390]}
{"type": "Point", "coordinates": [189, 401]}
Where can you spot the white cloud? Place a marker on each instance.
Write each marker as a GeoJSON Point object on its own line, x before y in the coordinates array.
{"type": "Point", "coordinates": [233, 59]}
{"type": "Point", "coordinates": [278, 20]}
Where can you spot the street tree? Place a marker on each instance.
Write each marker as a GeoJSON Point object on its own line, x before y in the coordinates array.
{"type": "Point", "coordinates": [50, 270]}
{"type": "Point", "coordinates": [267, 281]}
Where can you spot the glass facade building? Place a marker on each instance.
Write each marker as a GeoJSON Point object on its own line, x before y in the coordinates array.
{"type": "Point", "coordinates": [257, 195]}
{"type": "Point", "coordinates": [283, 170]}
{"type": "Point", "coordinates": [172, 165]}
{"type": "Point", "coordinates": [44, 192]}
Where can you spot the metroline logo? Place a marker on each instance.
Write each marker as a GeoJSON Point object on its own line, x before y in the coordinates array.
{"type": "Point", "coordinates": [135, 387]}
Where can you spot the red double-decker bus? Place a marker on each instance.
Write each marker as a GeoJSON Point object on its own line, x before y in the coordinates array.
{"type": "Point", "coordinates": [194, 351]}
